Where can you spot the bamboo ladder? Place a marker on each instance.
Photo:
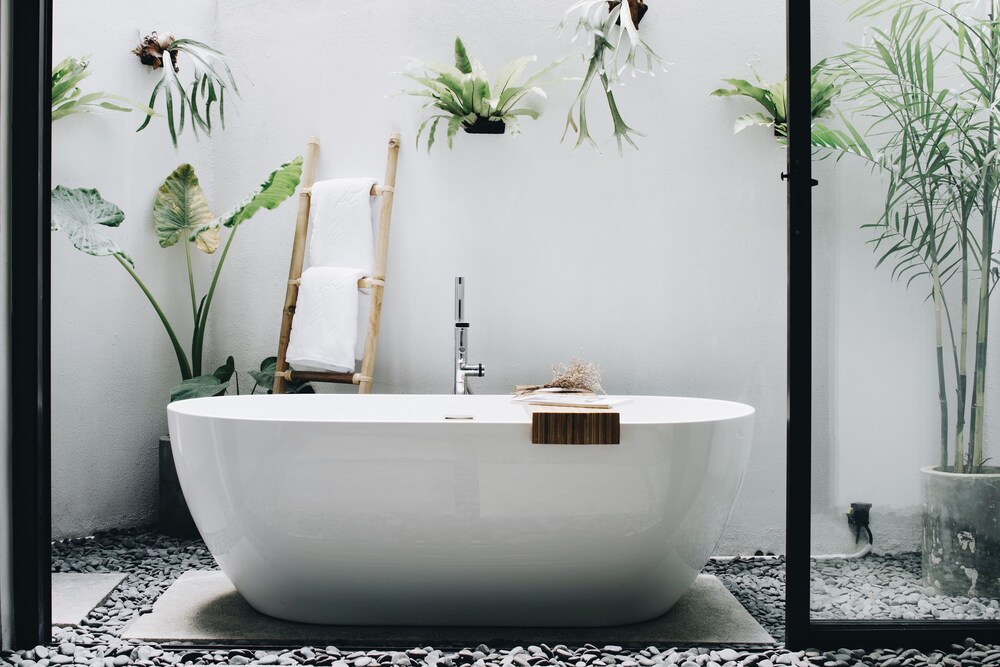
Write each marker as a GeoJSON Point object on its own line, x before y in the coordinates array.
{"type": "Point", "coordinates": [376, 281]}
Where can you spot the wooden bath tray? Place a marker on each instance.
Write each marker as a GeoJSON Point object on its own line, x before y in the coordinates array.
{"type": "Point", "coordinates": [551, 425]}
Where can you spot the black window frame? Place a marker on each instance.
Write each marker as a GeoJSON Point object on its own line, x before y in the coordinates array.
{"type": "Point", "coordinates": [801, 630]}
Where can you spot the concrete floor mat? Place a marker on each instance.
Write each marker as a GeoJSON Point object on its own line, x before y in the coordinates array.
{"type": "Point", "coordinates": [74, 595]}
{"type": "Point", "coordinates": [203, 607]}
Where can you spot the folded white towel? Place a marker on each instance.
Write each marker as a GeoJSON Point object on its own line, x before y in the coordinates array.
{"type": "Point", "coordinates": [325, 328]}
{"type": "Point", "coordinates": [340, 224]}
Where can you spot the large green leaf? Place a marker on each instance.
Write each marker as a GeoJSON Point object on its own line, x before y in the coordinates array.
{"type": "Point", "coordinates": [182, 209]}
{"type": "Point", "coordinates": [279, 186]}
{"type": "Point", "coordinates": [198, 387]}
{"type": "Point", "coordinates": [78, 212]}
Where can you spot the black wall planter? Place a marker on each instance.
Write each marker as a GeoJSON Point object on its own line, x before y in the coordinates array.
{"type": "Point", "coordinates": [486, 126]}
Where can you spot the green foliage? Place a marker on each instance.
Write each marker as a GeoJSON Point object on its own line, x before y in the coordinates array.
{"type": "Point", "coordinates": [181, 208]}
{"type": "Point", "coordinates": [774, 99]}
{"type": "Point", "coordinates": [461, 93]}
{"type": "Point", "coordinates": [937, 146]}
{"type": "Point", "coordinates": [79, 212]}
{"type": "Point", "coordinates": [211, 77]}
{"type": "Point", "coordinates": [219, 382]}
{"type": "Point", "coordinates": [180, 214]}
{"type": "Point", "coordinates": [68, 98]}
{"type": "Point", "coordinates": [613, 48]}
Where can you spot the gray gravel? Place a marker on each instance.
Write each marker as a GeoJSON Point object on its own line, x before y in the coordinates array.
{"type": "Point", "coordinates": [887, 586]}
{"type": "Point", "coordinates": [154, 561]}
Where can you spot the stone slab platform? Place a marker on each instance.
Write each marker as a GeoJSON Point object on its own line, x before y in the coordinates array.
{"type": "Point", "coordinates": [76, 595]}
{"type": "Point", "coordinates": [203, 608]}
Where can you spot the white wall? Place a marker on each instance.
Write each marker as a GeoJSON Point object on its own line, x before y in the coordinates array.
{"type": "Point", "coordinates": [112, 364]}
{"type": "Point", "coordinates": [666, 266]}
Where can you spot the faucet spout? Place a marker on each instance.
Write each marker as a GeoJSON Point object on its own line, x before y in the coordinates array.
{"type": "Point", "coordinates": [463, 369]}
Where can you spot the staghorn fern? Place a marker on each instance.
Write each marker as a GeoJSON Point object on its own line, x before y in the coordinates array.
{"type": "Point", "coordinates": [614, 47]}
{"type": "Point", "coordinates": [212, 77]}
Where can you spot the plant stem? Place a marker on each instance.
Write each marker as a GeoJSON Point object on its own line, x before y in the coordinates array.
{"type": "Point", "coordinates": [986, 263]}
{"type": "Point", "coordinates": [199, 334]}
{"type": "Point", "coordinates": [962, 362]}
{"type": "Point", "coordinates": [194, 298]}
{"type": "Point", "coordinates": [182, 361]}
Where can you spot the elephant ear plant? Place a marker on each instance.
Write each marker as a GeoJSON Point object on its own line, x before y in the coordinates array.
{"type": "Point", "coordinates": [181, 214]}
{"type": "Point", "coordinates": [937, 147]}
{"type": "Point", "coordinates": [461, 95]}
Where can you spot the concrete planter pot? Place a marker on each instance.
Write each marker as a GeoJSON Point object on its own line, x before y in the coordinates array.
{"type": "Point", "coordinates": [175, 519]}
{"type": "Point", "coordinates": [961, 536]}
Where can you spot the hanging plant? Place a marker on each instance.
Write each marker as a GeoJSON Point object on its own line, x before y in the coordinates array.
{"type": "Point", "coordinates": [613, 48]}
{"type": "Point", "coordinates": [462, 95]}
{"type": "Point", "coordinates": [774, 99]}
{"type": "Point", "coordinates": [211, 77]}
{"type": "Point", "coordinates": [68, 98]}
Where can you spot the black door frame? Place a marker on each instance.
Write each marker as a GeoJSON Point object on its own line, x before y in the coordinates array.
{"type": "Point", "coordinates": [801, 630]}
{"type": "Point", "coordinates": [30, 66]}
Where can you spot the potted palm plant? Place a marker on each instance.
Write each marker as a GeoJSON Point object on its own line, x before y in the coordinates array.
{"type": "Point", "coordinates": [924, 93]}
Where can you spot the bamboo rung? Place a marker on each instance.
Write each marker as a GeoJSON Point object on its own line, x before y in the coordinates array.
{"type": "Point", "coordinates": [374, 192]}
{"type": "Point", "coordinates": [575, 426]}
{"type": "Point", "coordinates": [363, 283]}
{"type": "Point", "coordinates": [323, 376]}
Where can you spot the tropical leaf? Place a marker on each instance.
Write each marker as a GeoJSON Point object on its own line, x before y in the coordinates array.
{"type": "Point", "coordinates": [181, 209]}
{"type": "Point", "coordinates": [199, 387]}
{"type": "Point", "coordinates": [79, 213]}
{"type": "Point", "coordinates": [462, 58]}
{"type": "Point", "coordinates": [225, 372]}
{"type": "Point", "coordinates": [67, 98]}
{"type": "Point", "coordinates": [279, 186]}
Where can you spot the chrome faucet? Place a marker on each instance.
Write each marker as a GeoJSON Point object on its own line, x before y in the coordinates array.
{"type": "Point", "coordinates": [463, 370]}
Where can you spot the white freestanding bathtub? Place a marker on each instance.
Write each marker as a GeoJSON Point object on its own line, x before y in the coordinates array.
{"type": "Point", "coordinates": [376, 510]}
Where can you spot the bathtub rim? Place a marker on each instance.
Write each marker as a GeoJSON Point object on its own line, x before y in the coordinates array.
{"type": "Point", "coordinates": [182, 408]}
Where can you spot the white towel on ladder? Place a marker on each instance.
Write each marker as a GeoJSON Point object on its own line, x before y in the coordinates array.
{"type": "Point", "coordinates": [340, 224]}
{"type": "Point", "coordinates": [325, 328]}
{"type": "Point", "coordinates": [329, 329]}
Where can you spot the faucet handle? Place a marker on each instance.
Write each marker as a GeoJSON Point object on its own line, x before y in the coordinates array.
{"type": "Point", "coordinates": [459, 299]}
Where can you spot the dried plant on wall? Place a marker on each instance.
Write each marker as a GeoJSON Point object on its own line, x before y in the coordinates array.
{"type": "Point", "coordinates": [211, 77]}
{"type": "Point", "coordinates": [68, 98]}
{"type": "Point", "coordinates": [461, 95]}
{"type": "Point", "coordinates": [613, 48]}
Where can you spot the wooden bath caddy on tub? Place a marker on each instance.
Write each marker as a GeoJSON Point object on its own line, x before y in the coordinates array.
{"type": "Point", "coordinates": [562, 425]}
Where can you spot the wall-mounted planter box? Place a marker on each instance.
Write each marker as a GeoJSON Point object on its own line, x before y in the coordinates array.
{"type": "Point", "coordinates": [486, 126]}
